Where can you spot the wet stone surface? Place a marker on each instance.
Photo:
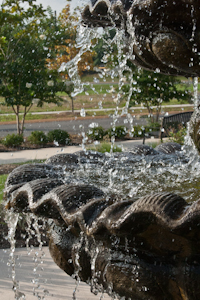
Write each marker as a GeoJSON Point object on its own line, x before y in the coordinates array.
{"type": "Point", "coordinates": [164, 34]}
{"type": "Point", "coordinates": [109, 233]}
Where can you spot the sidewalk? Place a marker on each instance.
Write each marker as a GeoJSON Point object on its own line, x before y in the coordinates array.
{"type": "Point", "coordinates": [53, 283]}
{"type": "Point", "coordinates": [29, 155]}
{"type": "Point", "coordinates": [44, 153]}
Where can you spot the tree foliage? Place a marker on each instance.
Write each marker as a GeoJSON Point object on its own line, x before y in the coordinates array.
{"type": "Point", "coordinates": [66, 52]}
{"type": "Point", "coordinates": [153, 89]}
{"type": "Point", "coordinates": [105, 46]}
{"type": "Point", "coordinates": [27, 39]}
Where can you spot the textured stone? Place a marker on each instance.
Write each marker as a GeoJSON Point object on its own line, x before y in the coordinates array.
{"type": "Point", "coordinates": [139, 249]}
{"type": "Point", "coordinates": [166, 34]}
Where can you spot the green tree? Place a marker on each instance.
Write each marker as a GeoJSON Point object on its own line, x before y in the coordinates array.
{"type": "Point", "coordinates": [105, 45]}
{"type": "Point", "coordinates": [68, 49]}
{"type": "Point", "coordinates": [27, 39]}
{"type": "Point", "coordinates": [153, 89]}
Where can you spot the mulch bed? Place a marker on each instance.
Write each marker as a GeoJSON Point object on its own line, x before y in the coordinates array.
{"type": "Point", "coordinates": [6, 169]}
{"type": "Point", "coordinates": [75, 141]}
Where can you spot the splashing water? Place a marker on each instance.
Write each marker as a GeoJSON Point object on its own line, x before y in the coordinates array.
{"type": "Point", "coordinates": [33, 228]}
{"type": "Point", "coordinates": [12, 219]}
{"type": "Point", "coordinates": [127, 176]}
{"type": "Point", "coordinates": [76, 249]}
{"type": "Point", "coordinates": [143, 175]}
{"type": "Point", "coordinates": [195, 98]}
{"type": "Point", "coordinates": [83, 41]}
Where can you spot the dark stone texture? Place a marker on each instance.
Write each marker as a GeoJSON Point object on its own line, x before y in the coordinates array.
{"type": "Point", "coordinates": [139, 249]}
{"type": "Point", "coordinates": [142, 150]}
{"type": "Point", "coordinates": [168, 148]}
{"type": "Point", "coordinates": [166, 34]}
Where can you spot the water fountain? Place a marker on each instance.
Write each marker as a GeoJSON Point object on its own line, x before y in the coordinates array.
{"type": "Point", "coordinates": [113, 220]}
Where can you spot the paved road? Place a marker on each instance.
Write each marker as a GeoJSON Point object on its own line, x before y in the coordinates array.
{"type": "Point", "coordinates": [74, 126]}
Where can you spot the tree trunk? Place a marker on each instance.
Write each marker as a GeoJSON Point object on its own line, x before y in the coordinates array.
{"type": "Point", "coordinates": [23, 120]}
{"type": "Point", "coordinates": [26, 110]}
{"type": "Point", "coordinates": [17, 119]}
{"type": "Point", "coordinates": [72, 100]}
{"type": "Point", "coordinates": [158, 113]}
{"type": "Point", "coordinates": [150, 112]}
{"type": "Point", "coordinates": [20, 126]}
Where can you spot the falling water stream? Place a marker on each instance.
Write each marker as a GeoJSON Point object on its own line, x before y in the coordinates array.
{"type": "Point", "coordinates": [130, 177]}
{"type": "Point", "coordinates": [141, 175]}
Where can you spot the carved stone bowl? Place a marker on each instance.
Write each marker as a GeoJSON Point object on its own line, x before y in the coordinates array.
{"type": "Point", "coordinates": [164, 35]}
{"type": "Point", "coordinates": [137, 249]}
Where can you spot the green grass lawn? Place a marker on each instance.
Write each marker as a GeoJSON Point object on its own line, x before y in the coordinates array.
{"type": "Point", "coordinates": [104, 147]}
{"type": "Point", "coordinates": [2, 183]}
{"type": "Point", "coordinates": [102, 112]}
{"type": "Point", "coordinates": [174, 102]}
{"type": "Point", "coordinates": [96, 77]}
{"type": "Point", "coordinates": [188, 85]}
{"type": "Point", "coordinates": [29, 116]}
{"type": "Point", "coordinates": [94, 96]}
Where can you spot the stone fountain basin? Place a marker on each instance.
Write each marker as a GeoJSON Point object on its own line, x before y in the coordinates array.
{"type": "Point", "coordinates": [139, 249]}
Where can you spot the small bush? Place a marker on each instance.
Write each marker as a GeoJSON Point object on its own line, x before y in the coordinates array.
{"type": "Point", "coordinates": [119, 132]}
{"type": "Point", "coordinates": [138, 131]}
{"type": "Point", "coordinates": [96, 133]}
{"type": "Point", "coordinates": [178, 136]}
{"type": "Point", "coordinates": [154, 144]}
{"type": "Point", "coordinates": [59, 136]}
{"type": "Point", "coordinates": [12, 140]}
{"type": "Point", "coordinates": [155, 126]}
{"type": "Point", "coordinates": [105, 147]}
{"type": "Point", "coordinates": [37, 138]}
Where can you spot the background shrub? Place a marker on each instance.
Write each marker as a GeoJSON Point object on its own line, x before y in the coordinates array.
{"type": "Point", "coordinates": [96, 133]}
{"type": "Point", "coordinates": [37, 138]}
{"type": "Point", "coordinates": [178, 136]}
{"type": "Point", "coordinates": [59, 136]}
{"type": "Point", "coordinates": [119, 132]}
{"type": "Point", "coordinates": [139, 131]}
{"type": "Point", "coordinates": [12, 140]}
{"type": "Point", "coordinates": [154, 126]}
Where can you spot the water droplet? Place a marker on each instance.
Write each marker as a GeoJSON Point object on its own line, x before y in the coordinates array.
{"type": "Point", "coordinates": [82, 112]}
{"type": "Point", "coordinates": [93, 125]}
